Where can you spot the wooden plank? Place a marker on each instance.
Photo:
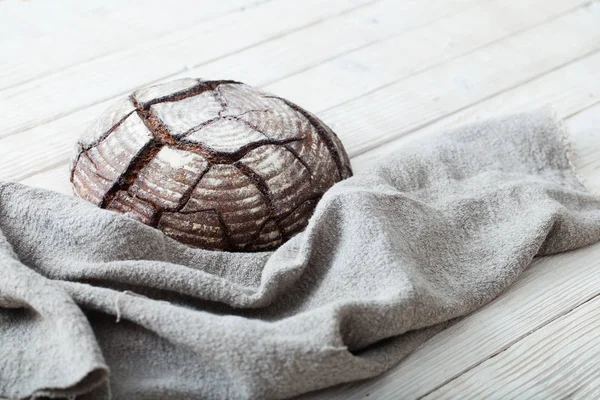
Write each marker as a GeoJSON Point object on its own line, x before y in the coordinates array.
{"type": "Point", "coordinates": [560, 360]}
{"type": "Point", "coordinates": [412, 103]}
{"type": "Point", "coordinates": [358, 73]}
{"type": "Point", "coordinates": [16, 15]}
{"type": "Point", "coordinates": [336, 37]}
{"type": "Point", "coordinates": [33, 103]}
{"type": "Point", "coordinates": [567, 90]}
{"type": "Point", "coordinates": [49, 143]}
{"type": "Point", "coordinates": [56, 179]}
{"type": "Point", "coordinates": [67, 35]}
{"type": "Point", "coordinates": [370, 23]}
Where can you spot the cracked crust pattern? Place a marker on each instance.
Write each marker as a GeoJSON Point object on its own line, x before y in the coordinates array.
{"type": "Point", "coordinates": [214, 164]}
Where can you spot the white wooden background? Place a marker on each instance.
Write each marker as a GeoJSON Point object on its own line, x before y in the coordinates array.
{"type": "Point", "coordinates": [379, 72]}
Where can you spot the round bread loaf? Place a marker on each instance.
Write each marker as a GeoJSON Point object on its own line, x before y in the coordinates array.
{"type": "Point", "coordinates": [214, 164]}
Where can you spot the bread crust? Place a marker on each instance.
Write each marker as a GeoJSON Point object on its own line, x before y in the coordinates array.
{"type": "Point", "coordinates": [214, 164]}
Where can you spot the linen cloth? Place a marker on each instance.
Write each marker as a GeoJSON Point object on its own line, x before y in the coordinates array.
{"type": "Point", "coordinates": [95, 305]}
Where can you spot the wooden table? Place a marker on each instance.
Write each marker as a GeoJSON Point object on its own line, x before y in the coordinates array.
{"type": "Point", "coordinates": [379, 72]}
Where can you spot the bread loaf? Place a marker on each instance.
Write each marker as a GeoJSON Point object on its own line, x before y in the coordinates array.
{"type": "Point", "coordinates": [214, 164]}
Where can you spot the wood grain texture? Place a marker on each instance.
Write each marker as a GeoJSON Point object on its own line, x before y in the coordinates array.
{"type": "Point", "coordinates": [353, 29]}
{"type": "Point", "coordinates": [448, 88]}
{"type": "Point", "coordinates": [302, 50]}
{"type": "Point", "coordinates": [48, 143]}
{"type": "Point", "coordinates": [399, 57]}
{"type": "Point", "coordinates": [560, 360]}
{"type": "Point", "coordinates": [123, 72]}
{"type": "Point", "coordinates": [567, 90]}
{"type": "Point", "coordinates": [62, 39]}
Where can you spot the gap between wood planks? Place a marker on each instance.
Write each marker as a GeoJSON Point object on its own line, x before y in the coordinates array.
{"type": "Point", "coordinates": [491, 96]}
{"type": "Point", "coordinates": [584, 317]}
{"type": "Point", "coordinates": [465, 81]}
{"type": "Point", "coordinates": [570, 90]}
{"type": "Point", "coordinates": [581, 111]}
{"type": "Point", "coordinates": [473, 50]}
{"type": "Point", "coordinates": [124, 71]}
{"type": "Point", "coordinates": [509, 346]}
{"type": "Point", "coordinates": [353, 149]}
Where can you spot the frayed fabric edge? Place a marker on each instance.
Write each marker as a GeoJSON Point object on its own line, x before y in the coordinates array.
{"type": "Point", "coordinates": [564, 136]}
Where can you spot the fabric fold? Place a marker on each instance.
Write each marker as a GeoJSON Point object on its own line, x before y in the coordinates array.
{"type": "Point", "coordinates": [390, 257]}
{"type": "Point", "coordinates": [47, 347]}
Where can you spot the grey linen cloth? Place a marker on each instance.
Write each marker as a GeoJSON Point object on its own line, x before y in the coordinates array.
{"type": "Point", "coordinates": [96, 305]}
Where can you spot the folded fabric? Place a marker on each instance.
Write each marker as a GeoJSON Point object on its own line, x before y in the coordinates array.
{"type": "Point", "coordinates": [94, 304]}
